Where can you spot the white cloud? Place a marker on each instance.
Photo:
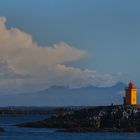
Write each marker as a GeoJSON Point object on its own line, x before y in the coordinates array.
{"type": "Point", "coordinates": [43, 65]}
{"type": "Point", "coordinates": [7, 73]}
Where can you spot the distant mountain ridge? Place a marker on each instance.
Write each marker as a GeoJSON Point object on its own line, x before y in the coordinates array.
{"type": "Point", "coordinates": [65, 96]}
{"type": "Point", "coordinates": [119, 85]}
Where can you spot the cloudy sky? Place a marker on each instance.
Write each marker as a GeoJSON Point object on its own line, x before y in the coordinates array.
{"type": "Point", "coordinates": [73, 43]}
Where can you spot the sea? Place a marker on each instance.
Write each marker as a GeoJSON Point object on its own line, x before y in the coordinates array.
{"type": "Point", "coordinates": [15, 133]}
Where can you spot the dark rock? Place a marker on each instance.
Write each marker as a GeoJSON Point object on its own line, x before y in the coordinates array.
{"type": "Point", "coordinates": [2, 130]}
{"type": "Point", "coordinates": [103, 118]}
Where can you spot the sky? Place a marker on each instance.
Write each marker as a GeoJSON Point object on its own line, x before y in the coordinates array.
{"type": "Point", "coordinates": [72, 43]}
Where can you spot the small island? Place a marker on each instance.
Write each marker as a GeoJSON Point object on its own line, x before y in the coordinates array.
{"type": "Point", "coordinates": [113, 118]}
{"type": "Point", "coordinates": [118, 118]}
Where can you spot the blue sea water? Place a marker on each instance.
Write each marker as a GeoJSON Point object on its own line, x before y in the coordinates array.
{"type": "Point", "coordinates": [16, 133]}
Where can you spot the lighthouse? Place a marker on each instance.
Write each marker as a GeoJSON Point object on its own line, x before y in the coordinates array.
{"type": "Point", "coordinates": [130, 94]}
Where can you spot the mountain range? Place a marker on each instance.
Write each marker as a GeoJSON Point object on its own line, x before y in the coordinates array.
{"type": "Point", "coordinates": [65, 96]}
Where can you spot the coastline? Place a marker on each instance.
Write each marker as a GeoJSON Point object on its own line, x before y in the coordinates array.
{"type": "Point", "coordinates": [115, 118]}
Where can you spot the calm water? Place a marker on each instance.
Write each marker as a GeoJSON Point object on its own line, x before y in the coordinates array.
{"type": "Point", "coordinates": [15, 133]}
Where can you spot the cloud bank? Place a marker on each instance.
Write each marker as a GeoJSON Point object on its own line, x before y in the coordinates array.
{"type": "Point", "coordinates": [25, 64]}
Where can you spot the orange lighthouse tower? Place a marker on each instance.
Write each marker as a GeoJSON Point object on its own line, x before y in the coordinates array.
{"type": "Point", "coordinates": [130, 94]}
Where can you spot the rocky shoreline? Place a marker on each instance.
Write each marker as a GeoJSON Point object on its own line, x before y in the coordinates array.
{"type": "Point", "coordinates": [112, 118]}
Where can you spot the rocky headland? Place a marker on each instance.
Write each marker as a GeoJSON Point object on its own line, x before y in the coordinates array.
{"type": "Point", "coordinates": [114, 118]}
